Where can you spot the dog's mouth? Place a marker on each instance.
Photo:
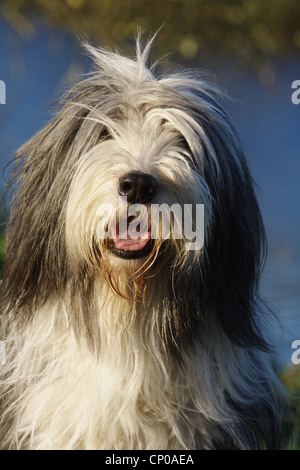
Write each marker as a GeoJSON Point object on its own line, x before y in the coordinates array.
{"type": "Point", "coordinates": [124, 243]}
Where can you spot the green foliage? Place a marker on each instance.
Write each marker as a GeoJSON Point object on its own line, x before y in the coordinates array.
{"type": "Point", "coordinates": [251, 31]}
{"type": "Point", "coordinates": [290, 377]}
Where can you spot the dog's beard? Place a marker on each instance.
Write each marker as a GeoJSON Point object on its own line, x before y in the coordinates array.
{"type": "Point", "coordinates": [134, 252]}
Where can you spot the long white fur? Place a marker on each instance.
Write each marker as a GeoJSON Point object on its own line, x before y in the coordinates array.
{"type": "Point", "coordinates": [125, 398]}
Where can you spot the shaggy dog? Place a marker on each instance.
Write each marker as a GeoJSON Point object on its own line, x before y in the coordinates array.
{"type": "Point", "coordinates": [143, 339]}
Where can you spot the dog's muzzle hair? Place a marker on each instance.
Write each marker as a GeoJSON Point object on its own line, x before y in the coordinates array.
{"type": "Point", "coordinates": [120, 342]}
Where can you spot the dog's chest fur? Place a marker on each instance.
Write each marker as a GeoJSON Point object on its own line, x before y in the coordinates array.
{"type": "Point", "coordinates": [122, 396]}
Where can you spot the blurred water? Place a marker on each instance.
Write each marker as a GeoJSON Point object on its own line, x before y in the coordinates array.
{"type": "Point", "coordinates": [37, 71]}
{"type": "Point", "coordinates": [269, 126]}
{"type": "Point", "coordinates": [280, 287]}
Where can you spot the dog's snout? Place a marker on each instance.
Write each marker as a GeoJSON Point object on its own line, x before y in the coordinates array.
{"type": "Point", "coordinates": [137, 187]}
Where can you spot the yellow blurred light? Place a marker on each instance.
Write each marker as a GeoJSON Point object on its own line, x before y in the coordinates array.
{"type": "Point", "coordinates": [296, 38]}
{"type": "Point", "coordinates": [75, 4]}
{"type": "Point", "coordinates": [188, 47]}
{"type": "Point", "coordinates": [235, 15]}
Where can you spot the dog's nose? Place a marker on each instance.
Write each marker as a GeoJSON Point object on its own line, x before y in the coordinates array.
{"type": "Point", "coordinates": [137, 187]}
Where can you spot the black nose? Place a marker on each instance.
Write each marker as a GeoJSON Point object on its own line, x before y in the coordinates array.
{"type": "Point", "coordinates": [137, 187]}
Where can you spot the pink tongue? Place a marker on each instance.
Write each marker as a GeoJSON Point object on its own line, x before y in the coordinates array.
{"type": "Point", "coordinates": [130, 244]}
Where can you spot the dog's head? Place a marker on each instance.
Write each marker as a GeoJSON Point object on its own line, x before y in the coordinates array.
{"type": "Point", "coordinates": [125, 150]}
{"type": "Point", "coordinates": [137, 196]}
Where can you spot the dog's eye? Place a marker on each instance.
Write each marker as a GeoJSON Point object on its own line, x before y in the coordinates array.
{"type": "Point", "coordinates": [186, 152]}
{"type": "Point", "coordinates": [104, 134]}
{"type": "Point", "coordinates": [183, 143]}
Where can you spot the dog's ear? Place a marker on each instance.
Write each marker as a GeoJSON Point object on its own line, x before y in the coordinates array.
{"type": "Point", "coordinates": [235, 250]}
{"type": "Point", "coordinates": [35, 265]}
{"type": "Point", "coordinates": [226, 284]}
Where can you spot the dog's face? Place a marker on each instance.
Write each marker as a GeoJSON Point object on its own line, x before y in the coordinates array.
{"type": "Point", "coordinates": [142, 166]}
